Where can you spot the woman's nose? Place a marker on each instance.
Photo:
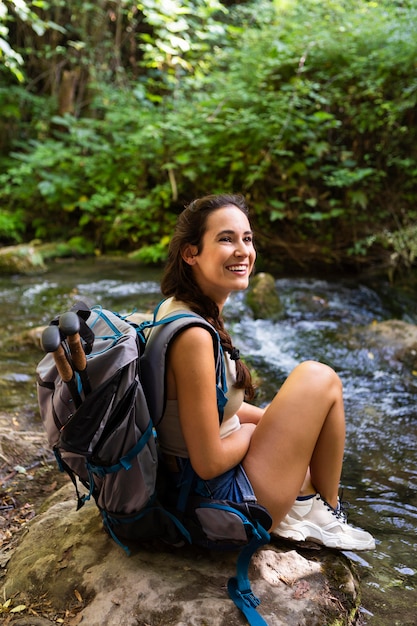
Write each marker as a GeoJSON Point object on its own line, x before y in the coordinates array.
{"type": "Point", "coordinates": [240, 249]}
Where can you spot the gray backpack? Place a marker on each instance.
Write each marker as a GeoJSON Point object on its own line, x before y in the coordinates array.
{"type": "Point", "coordinates": [101, 393]}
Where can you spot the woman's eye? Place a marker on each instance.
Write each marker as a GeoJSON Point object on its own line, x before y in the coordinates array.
{"type": "Point", "coordinates": [228, 239]}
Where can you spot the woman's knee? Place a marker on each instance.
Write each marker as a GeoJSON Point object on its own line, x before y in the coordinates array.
{"type": "Point", "coordinates": [321, 376]}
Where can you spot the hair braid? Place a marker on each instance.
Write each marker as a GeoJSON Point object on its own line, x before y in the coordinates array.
{"type": "Point", "coordinates": [243, 375]}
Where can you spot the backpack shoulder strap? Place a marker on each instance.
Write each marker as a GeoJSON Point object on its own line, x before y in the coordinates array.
{"type": "Point", "coordinates": [153, 359]}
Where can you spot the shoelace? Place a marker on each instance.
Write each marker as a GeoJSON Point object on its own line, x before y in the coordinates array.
{"type": "Point", "coordinates": [342, 508]}
{"type": "Point", "coordinates": [340, 511]}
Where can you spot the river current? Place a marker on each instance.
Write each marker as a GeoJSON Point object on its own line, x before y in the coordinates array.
{"type": "Point", "coordinates": [325, 320]}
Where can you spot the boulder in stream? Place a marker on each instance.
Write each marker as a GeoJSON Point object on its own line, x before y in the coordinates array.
{"type": "Point", "coordinates": [21, 259]}
{"type": "Point", "coordinates": [263, 298]}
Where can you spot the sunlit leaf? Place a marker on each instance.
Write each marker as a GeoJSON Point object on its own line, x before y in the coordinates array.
{"type": "Point", "coordinates": [19, 608]}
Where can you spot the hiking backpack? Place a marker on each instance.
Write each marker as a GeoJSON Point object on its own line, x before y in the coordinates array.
{"type": "Point", "coordinates": [101, 394]}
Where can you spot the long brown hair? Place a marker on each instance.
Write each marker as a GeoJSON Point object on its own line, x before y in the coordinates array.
{"type": "Point", "coordinates": [178, 280]}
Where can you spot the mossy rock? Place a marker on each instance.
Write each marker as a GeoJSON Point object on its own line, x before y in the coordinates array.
{"type": "Point", "coordinates": [263, 298]}
{"type": "Point", "coordinates": [21, 259]}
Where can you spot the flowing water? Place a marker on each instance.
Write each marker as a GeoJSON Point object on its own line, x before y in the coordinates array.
{"type": "Point", "coordinates": [322, 320]}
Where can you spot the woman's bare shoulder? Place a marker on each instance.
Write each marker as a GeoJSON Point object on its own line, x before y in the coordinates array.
{"type": "Point", "coordinates": [193, 351]}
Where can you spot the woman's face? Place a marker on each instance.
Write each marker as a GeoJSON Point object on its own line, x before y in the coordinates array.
{"type": "Point", "coordinates": [227, 255]}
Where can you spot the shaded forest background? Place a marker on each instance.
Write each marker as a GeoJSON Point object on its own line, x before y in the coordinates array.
{"type": "Point", "coordinates": [114, 114]}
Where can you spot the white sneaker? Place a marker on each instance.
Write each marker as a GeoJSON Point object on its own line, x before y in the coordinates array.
{"type": "Point", "coordinates": [315, 520]}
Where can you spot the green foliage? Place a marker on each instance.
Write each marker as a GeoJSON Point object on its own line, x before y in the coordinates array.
{"type": "Point", "coordinates": [11, 61]}
{"type": "Point", "coordinates": [24, 11]}
{"type": "Point", "coordinates": [152, 254]}
{"type": "Point", "coordinates": [401, 245]}
{"type": "Point", "coordinates": [183, 35]}
{"type": "Point", "coordinates": [310, 113]}
{"type": "Point", "coordinates": [11, 226]}
{"type": "Point", "coordinates": [74, 247]}
{"type": "Point", "coordinates": [403, 242]}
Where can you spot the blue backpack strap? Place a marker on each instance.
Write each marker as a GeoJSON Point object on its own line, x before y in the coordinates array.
{"type": "Point", "coordinates": [124, 462]}
{"type": "Point", "coordinates": [153, 359]}
{"type": "Point", "coordinates": [239, 586]}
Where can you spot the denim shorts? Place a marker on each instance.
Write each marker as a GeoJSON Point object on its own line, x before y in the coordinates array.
{"type": "Point", "coordinates": [233, 485]}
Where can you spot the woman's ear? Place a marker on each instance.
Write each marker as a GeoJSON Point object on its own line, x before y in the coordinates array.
{"type": "Point", "coordinates": [189, 253]}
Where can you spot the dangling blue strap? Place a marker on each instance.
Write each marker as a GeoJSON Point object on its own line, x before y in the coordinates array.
{"type": "Point", "coordinates": [239, 586]}
{"type": "Point", "coordinates": [109, 529]}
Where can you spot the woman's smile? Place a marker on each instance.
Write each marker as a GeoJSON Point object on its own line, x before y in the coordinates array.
{"type": "Point", "coordinates": [237, 269]}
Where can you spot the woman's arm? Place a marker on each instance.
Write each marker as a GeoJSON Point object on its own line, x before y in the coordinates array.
{"type": "Point", "coordinates": [248, 413]}
{"type": "Point", "coordinates": [192, 379]}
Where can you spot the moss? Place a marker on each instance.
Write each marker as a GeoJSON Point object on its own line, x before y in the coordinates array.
{"type": "Point", "coordinates": [263, 298]}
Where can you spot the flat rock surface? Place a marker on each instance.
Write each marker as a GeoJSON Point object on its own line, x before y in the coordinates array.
{"type": "Point", "coordinates": [65, 557]}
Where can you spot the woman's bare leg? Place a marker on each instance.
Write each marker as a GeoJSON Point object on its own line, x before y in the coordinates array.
{"type": "Point", "coordinates": [307, 488]}
{"type": "Point", "coordinates": [302, 428]}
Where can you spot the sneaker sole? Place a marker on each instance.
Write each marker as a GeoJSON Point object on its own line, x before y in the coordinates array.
{"type": "Point", "coordinates": [327, 539]}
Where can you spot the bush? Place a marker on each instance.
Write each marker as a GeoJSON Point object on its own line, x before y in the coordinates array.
{"type": "Point", "coordinates": [11, 227]}
{"type": "Point", "coordinates": [311, 113]}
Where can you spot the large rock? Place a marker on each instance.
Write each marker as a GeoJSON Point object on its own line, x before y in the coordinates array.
{"type": "Point", "coordinates": [22, 259]}
{"type": "Point", "coordinates": [68, 560]}
{"type": "Point", "coordinates": [392, 340]}
{"type": "Point", "coordinates": [263, 298]}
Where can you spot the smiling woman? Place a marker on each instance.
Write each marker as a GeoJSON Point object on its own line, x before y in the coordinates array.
{"type": "Point", "coordinates": [287, 457]}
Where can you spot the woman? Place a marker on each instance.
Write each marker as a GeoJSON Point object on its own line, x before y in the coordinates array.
{"type": "Point", "coordinates": [288, 456]}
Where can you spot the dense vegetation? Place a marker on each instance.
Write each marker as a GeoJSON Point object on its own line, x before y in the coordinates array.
{"type": "Point", "coordinates": [114, 114]}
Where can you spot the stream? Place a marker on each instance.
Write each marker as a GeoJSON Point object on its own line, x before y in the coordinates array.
{"type": "Point", "coordinates": [322, 320]}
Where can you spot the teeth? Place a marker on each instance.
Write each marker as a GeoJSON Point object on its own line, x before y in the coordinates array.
{"type": "Point", "coordinates": [237, 268]}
